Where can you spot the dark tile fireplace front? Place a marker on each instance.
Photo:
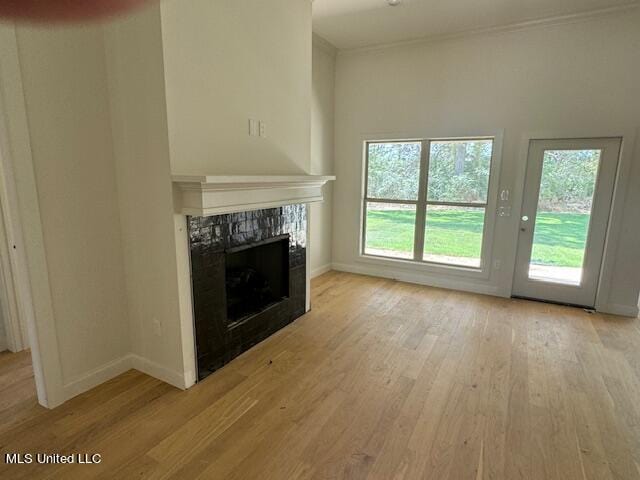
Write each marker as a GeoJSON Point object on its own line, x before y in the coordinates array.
{"type": "Point", "coordinates": [248, 274]}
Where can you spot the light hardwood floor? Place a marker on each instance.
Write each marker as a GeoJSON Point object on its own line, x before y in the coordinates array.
{"type": "Point", "coordinates": [382, 380]}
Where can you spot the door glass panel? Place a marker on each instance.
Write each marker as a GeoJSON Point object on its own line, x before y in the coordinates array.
{"type": "Point", "coordinates": [393, 170]}
{"type": "Point", "coordinates": [567, 187]}
{"type": "Point", "coordinates": [390, 230]}
{"type": "Point", "coordinates": [453, 235]}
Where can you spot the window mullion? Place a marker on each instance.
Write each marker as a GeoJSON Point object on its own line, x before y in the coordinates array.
{"type": "Point", "coordinates": [391, 200]}
{"type": "Point", "coordinates": [421, 207]}
{"type": "Point", "coordinates": [457, 204]}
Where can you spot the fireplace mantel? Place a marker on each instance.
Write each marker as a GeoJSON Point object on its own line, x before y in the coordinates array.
{"type": "Point", "coordinates": [205, 195]}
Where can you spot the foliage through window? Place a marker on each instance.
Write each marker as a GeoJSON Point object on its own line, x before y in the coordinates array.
{"type": "Point", "coordinates": [426, 200]}
{"type": "Point", "coordinates": [459, 171]}
{"type": "Point", "coordinates": [394, 170]}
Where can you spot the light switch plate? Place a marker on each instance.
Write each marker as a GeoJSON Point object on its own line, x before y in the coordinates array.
{"type": "Point", "coordinates": [253, 128]}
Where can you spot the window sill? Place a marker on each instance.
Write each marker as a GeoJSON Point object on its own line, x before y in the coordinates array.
{"type": "Point", "coordinates": [426, 267]}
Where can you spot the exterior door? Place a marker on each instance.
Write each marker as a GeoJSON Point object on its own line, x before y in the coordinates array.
{"type": "Point", "coordinates": [565, 213]}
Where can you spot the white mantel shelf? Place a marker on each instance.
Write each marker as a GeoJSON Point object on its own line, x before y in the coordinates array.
{"type": "Point", "coordinates": [204, 195]}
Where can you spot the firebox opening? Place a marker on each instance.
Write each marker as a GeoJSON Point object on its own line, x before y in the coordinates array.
{"type": "Point", "coordinates": [256, 277]}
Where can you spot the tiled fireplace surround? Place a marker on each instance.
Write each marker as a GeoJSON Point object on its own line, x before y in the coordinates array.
{"type": "Point", "coordinates": [252, 225]}
{"type": "Point", "coordinates": [218, 339]}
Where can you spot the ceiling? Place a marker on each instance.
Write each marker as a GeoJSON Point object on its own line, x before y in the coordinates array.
{"type": "Point", "coordinates": [358, 23]}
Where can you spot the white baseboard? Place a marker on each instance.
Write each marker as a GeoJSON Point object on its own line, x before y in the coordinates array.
{"type": "Point", "coordinates": [618, 309]}
{"type": "Point", "coordinates": [316, 272]}
{"type": "Point", "coordinates": [457, 284]}
{"type": "Point", "coordinates": [419, 278]}
{"type": "Point", "coordinates": [156, 370]}
{"type": "Point", "coordinates": [98, 376]}
{"type": "Point", "coordinates": [118, 367]}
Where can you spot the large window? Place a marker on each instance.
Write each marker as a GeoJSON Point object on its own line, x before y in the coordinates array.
{"type": "Point", "coordinates": [426, 200]}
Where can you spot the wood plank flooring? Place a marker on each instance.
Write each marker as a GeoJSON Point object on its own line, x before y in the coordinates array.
{"type": "Point", "coordinates": [382, 380]}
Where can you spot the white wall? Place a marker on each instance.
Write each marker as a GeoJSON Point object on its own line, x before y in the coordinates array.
{"type": "Point", "coordinates": [322, 143]}
{"type": "Point", "coordinates": [140, 135]}
{"type": "Point", "coordinates": [65, 91]}
{"type": "Point", "coordinates": [226, 62]}
{"type": "Point", "coordinates": [580, 78]}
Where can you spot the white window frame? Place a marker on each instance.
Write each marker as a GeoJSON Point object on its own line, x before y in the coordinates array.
{"type": "Point", "coordinates": [421, 203]}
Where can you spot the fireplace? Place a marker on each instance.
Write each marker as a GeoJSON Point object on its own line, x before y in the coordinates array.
{"type": "Point", "coordinates": [256, 277]}
{"type": "Point", "coordinates": [248, 276]}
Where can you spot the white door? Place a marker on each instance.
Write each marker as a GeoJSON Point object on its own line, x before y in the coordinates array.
{"type": "Point", "coordinates": [565, 213]}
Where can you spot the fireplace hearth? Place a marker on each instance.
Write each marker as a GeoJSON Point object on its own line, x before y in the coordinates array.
{"type": "Point", "coordinates": [248, 274]}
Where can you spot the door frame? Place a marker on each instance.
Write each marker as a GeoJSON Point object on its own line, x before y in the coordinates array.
{"type": "Point", "coordinates": [614, 229]}
{"type": "Point", "coordinates": [17, 338]}
{"type": "Point", "coordinates": [23, 237]}
{"type": "Point", "coordinates": [584, 293]}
